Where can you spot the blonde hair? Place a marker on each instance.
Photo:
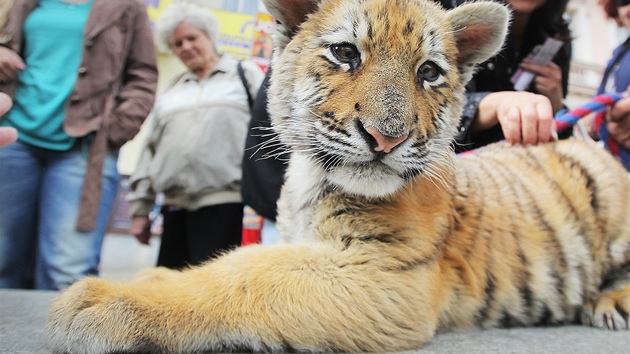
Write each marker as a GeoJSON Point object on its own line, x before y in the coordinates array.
{"type": "Point", "coordinates": [180, 12]}
{"type": "Point", "coordinates": [5, 7]}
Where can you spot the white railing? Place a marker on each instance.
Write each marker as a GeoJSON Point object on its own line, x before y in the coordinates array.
{"type": "Point", "coordinates": [584, 79]}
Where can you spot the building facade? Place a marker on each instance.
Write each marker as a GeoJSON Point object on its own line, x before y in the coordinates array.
{"type": "Point", "coordinates": [594, 39]}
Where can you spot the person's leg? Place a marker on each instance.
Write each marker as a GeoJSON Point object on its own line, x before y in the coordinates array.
{"type": "Point", "coordinates": [65, 254]}
{"type": "Point", "coordinates": [214, 229]}
{"type": "Point", "coordinates": [173, 250]}
{"type": "Point", "coordinates": [109, 189]}
{"type": "Point", "coordinates": [20, 176]}
{"type": "Point", "coordinates": [269, 234]}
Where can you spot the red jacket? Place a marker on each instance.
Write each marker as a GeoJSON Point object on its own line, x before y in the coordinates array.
{"type": "Point", "coordinates": [118, 62]}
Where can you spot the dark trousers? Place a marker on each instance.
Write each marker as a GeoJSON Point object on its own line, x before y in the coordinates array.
{"type": "Point", "coordinates": [193, 237]}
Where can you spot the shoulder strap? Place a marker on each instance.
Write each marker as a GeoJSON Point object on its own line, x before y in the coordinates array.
{"type": "Point", "coordinates": [241, 73]}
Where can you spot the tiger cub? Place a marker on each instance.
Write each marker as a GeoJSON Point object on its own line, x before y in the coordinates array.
{"type": "Point", "coordinates": [390, 236]}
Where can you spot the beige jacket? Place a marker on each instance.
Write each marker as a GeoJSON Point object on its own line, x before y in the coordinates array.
{"type": "Point", "coordinates": [196, 140]}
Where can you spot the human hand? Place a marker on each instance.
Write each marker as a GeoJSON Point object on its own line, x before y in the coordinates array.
{"type": "Point", "coordinates": [548, 81]}
{"type": "Point", "coordinates": [10, 64]}
{"type": "Point", "coordinates": [7, 134]}
{"type": "Point", "coordinates": [618, 122]}
{"type": "Point", "coordinates": [525, 117]}
{"type": "Point", "coordinates": [141, 229]}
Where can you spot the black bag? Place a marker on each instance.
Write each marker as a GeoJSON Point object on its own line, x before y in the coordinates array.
{"type": "Point", "coordinates": [262, 176]}
{"type": "Point", "coordinates": [241, 74]}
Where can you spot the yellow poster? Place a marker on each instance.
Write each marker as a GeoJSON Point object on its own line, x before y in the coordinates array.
{"type": "Point", "coordinates": [237, 33]}
{"type": "Point", "coordinates": [155, 8]}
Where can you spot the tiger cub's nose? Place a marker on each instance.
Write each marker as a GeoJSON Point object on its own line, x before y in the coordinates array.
{"type": "Point", "coordinates": [385, 143]}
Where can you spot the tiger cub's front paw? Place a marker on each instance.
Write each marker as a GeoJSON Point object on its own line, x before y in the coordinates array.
{"type": "Point", "coordinates": [88, 318]}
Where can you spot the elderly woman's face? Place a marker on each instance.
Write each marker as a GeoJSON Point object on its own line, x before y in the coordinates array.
{"type": "Point", "coordinates": [192, 46]}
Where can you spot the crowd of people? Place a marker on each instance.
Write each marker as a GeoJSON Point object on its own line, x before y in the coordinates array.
{"type": "Point", "coordinates": [209, 150]}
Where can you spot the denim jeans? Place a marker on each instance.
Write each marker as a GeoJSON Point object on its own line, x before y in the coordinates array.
{"type": "Point", "coordinates": [39, 202]}
{"type": "Point", "coordinates": [269, 235]}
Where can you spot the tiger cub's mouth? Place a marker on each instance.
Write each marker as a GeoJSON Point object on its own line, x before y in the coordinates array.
{"type": "Point", "coordinates": [369, 172]}
{"type": "Point", "coordinates": [369, 178]}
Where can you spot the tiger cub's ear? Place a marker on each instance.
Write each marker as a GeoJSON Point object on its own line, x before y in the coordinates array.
{"type": "Point", "coordinates": [291, 13]}
{"type": "Point", "coordinates": [480, 29]}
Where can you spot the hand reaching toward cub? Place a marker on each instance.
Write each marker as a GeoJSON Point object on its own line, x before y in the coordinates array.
{"type": "Point", "coordinates": [526, 118]}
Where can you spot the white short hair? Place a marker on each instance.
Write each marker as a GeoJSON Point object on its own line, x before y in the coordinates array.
{"type": "Point", "coordinates": [177, 13]}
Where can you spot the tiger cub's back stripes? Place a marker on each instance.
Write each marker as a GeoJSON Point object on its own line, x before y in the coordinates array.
{"type": "Point", "coordinates": [543, 241]}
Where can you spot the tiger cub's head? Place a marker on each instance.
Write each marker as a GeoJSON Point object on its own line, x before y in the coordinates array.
{"type": "Point", "coordinates": [371, 91]}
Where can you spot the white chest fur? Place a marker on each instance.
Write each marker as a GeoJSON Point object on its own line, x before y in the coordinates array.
{"type": "Point", "coordinates": [304, 183]}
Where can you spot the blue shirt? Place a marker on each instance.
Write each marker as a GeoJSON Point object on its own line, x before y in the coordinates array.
{"type": "Point", "coordinates": [617, 74]}
{"type": "Point", "coordinates": [53, 42]}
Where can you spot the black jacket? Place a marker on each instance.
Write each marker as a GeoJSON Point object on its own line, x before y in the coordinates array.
{"type": "Point", "coordinates": [262, 175]}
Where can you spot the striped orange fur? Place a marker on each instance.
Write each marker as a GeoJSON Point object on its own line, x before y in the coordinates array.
{"type": "Point", "coordinates": [388, 236]}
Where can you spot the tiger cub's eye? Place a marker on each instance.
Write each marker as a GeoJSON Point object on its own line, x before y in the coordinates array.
{"type": "Point", "coordinates": [345, 52]}
{"type": "Point", "coordinates": [429, 71]}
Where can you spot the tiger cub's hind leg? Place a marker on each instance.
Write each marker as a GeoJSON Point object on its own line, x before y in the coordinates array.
{"type": "Point", "coordinates": [611, 307]}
